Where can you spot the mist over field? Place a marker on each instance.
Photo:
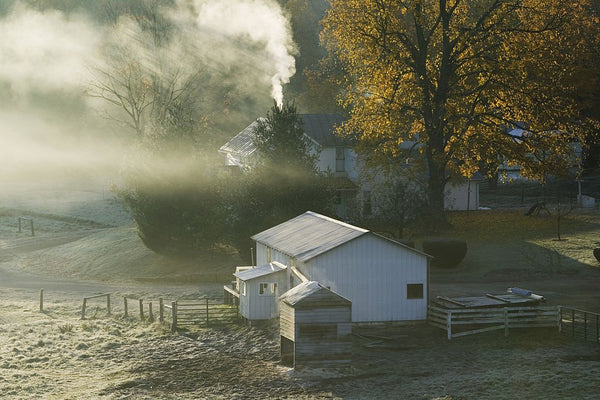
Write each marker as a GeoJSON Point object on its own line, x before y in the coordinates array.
{"type": "Point", "coordinates": [54, 121]}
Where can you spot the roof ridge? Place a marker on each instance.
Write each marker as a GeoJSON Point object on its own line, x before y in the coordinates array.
{"type": "Point", "coordinates": [338, 222]}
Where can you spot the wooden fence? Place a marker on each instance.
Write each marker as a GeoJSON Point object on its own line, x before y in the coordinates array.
{"type": "Point", "coordinates": [468, 321]}
{"type": "Point", "coordinates": [580, 324]}
{"type": "Point", "coordinates": [205, 311]}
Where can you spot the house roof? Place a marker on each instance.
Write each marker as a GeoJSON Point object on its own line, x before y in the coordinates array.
{"type": "Point", "coordinates": [310, 234]}
{"type": "Point", "coordinates": [312, 294]}
{"type": "Point", "coordinates": [242, 144]}
{"type": "Point", "coordinates": [259, 271]}
{"type": "Point", "coordinates": [319, 127]}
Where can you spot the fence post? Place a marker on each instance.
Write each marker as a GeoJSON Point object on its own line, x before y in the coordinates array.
{"type": "Point", "coordinates": [108, 302]}
{"type": "Point", "coordinates": [597, 329]}
{"type": "Point", "coordinates": [559, 318]}
{"type": "Point", "coordinates": [141, 309]}
{"type": "Point", "coordinates": [505, 322]}
{"type": "Point", "coordinates": [32, 231]}
{"type": "Point", "coordinates": [207, 311]}
{"type": "Point", "coordinates": [161, 310]}
{"type": "Point", "coordinates": [585, 325]}
{"type": "Point", "coordinates": [573, 322]}
{"type": "Point", "coordinates": [41, 300]}
{"type": "Point", "coordinates": [150, 314]}
{"type": "Point", "coordinates": [174, 313]}
{"type": "Point", "coordinates": [19, 220]}
{"type": "Point", "coordinates": [449, 324]}
{"type": "Point", "coordinates": [125, 305]}
{"type": "Point", "coordinates": [83, 308]}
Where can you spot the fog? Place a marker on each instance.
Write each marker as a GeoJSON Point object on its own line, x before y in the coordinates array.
{"type": "Point", "coordinates": [54, 123]}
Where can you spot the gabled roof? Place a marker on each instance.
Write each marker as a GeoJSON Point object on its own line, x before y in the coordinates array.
{"type": "Point", "coordinates": [321, 129]}
{"type": "Point", "coordinates": [312, 294]}
{"type": "Point", "coordinates": [259, 271]}
{"type": "Point", "coordinates": [310, 234]}
{"type": "Point", "coordinates": [318, 127]}
{"type": "Point", "coordinates": [242, 144]}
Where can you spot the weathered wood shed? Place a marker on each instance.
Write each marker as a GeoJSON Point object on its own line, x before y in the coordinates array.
{"type": "Point", "coordinates": [315, 326]}
{"type": "Point", "coordinates": [385, 280]}
{"type": "Point", "coordinates": [259, 290]}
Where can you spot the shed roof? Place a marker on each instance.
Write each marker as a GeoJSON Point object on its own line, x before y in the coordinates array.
{"type": "Point", "coordinates": [259, 271]}
{"type": "Point", "coordinates": [310, 234]}
{"type": "Point", "coordinates": [242, 144]}
{"type": "Point", "coordinates": [312, 294]}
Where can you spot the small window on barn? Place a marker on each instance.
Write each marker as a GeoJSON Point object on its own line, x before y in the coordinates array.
{"type": "Point", "coordinates": [268, 255]}
{"type": "Point", "coordinates": [274, 288]}
{"type": "Point", "coordinates": [414, 291]}
{"type": "Point", "coordinates": [243, 288]}
{"type": "Point", "coordinates": [263, 289]}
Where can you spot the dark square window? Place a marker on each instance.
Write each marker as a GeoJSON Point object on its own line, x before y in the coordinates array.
{"type": "Point", "coordinates": [414, 291]}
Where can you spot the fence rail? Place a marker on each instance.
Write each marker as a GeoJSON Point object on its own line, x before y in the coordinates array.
{"type": "Point", "coordinates": [580, 324]}
{"type": "Point", "coordinates": [469, 321]}
{"type": "Point", "coordinates": [206, 311]}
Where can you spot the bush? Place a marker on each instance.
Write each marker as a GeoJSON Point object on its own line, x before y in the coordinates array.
{"type": "Point", "coordinates": [446, 252]}
{"type": "Point", "coordinates": [597, 253]}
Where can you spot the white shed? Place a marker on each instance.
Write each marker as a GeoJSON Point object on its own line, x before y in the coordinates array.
{"type": "Point", "coordinates": [384, 279]}
{"type": "Point", "coordinates": [259, 289]}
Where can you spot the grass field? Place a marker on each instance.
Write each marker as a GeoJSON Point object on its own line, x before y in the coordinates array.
{"type": "Point", "coordinates": [56, 355]}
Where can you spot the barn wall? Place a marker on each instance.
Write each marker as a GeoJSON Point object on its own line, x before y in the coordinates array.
{"type": "Point", "coordinates": [262, 255]}
{"type": "Point", "coordinates": [286, 321]}
{"type": "Point", "coordinates": [373, 274]}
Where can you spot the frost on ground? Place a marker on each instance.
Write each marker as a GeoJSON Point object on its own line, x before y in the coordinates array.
{"type": "Point", "coordinates": [55, 354]}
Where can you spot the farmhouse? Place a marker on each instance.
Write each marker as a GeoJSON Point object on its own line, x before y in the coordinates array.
{"type": "Point", "coordinates": [353, 181]}
{"type": "Point", "coordinates": [384, 279]}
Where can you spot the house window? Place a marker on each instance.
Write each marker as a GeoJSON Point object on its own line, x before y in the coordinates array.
{"type": "Point", "coordinates": [366, 203]}
{"type": "Point", "coordinates": [243, 288]}
{"type": "Point", "coordinates": [268, 255]}
{"type": "Point", "coordinates": [340, 159]}
{"type": "Point", "coordinates": [263, 289]}
{"type": "Point", "coordinates": [274, 289]}
{"type": "Point", "coordinates": [414, 291]}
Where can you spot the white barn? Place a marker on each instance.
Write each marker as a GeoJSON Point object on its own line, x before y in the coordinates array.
{"type": "Point", "coordinates": [259, 289]}
{"type": "Point", "coordinates": [384, 279]}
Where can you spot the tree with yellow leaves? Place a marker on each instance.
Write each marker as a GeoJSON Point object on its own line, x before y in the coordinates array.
{"type": "Point", "coordinates": [455, 74]}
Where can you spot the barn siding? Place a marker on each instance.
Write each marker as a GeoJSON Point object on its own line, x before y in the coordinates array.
{"type": "Point", "coordinates": [373, 274]}
{"type": "Point", "coordinates": [286, 321]}
{"type": "Point", "coordinates": [261, 255]}
{"type": "Point", "coordinates": [257, 307]}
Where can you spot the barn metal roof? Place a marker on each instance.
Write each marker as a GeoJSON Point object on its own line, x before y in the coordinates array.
{"type": "Point", "coordinates": [302, 294]}
{"type": "Point", "coordinates": [311, 234]}
{"type": "Point", "coordinates": [259, 271]}
{"type": "Point", "coordinates": [308, 235]}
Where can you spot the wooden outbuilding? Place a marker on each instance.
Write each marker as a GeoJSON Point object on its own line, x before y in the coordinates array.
{"type": "Point", "coordinates": [385, 280]}
{"type": "Point", "coordinates": [315, 327]}
{"type": "Point", "coordinates": [259, 289]}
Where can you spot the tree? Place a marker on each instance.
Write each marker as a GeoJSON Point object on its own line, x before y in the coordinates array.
{"type": "Point", "coordinates": [283, 184]}
{"type": "Point", "coordinates": [451, 73]}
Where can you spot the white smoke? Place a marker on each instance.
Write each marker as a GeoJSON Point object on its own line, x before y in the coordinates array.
{"type": "Point", "coordinates": [260, 21]}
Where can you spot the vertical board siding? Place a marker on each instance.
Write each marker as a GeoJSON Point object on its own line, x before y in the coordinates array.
{"type": "Point", "coordinates": [373, 274]}
{"type": "Point", "coordinates": [257, 307]}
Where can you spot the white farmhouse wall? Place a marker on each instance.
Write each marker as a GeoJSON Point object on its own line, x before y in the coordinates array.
{"type": "Point", "coordinates": [327, 163]}
{"type": "Point", "coordinates": [373, 274]}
